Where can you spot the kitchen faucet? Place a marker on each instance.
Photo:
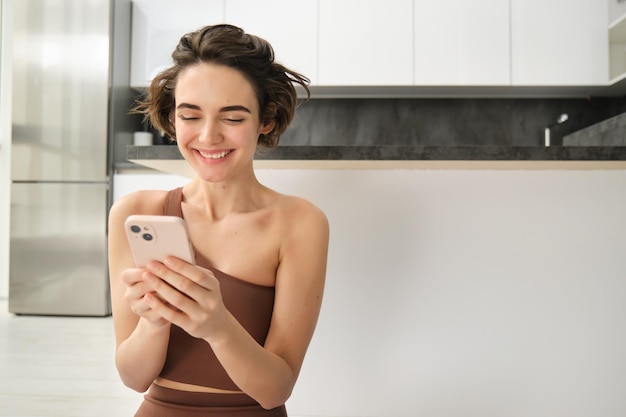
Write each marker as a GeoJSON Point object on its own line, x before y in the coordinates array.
{"type": "Point", "coordinates": [561, 119]}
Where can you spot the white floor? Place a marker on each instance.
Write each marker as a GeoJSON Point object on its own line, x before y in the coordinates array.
{"type": "Point", "coordinates": [60, 367]}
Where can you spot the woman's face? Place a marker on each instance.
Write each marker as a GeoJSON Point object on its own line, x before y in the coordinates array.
{"type": "Point", "coordinates": [217, 124]}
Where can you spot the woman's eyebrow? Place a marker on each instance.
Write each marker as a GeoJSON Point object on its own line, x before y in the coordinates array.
{"type": "Point", "coordinates": [235, 108]}
{"type": "Point", "coordinates": [222, 110]}
{"type": "Point", "coordinates": [188, 106]}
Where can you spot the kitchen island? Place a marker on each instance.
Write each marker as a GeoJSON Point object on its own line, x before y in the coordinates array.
{"type": "Point", "coordinates": [501, 281]}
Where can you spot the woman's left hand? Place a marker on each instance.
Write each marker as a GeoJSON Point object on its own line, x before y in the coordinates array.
{"type": "Point", "coordinates": [190, 296]}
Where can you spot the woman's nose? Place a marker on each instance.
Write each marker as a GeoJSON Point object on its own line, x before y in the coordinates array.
{"type": "Point", "coordinates": [210, 133]}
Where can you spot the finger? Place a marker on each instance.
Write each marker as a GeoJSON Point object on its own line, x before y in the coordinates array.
{"type": "Point", "coordinates": [184, 280]}
{"type": "Point", "coordinates": [201, 276]}
{"type": "Point", "coordinates": [142, 308]}
{"type": "Point", "coordinates": [171, 287]}
{"type": "Point", "coordinates": [136, 291]}
{"type": "Point", "coordinates": [132, 276]}
{"type": "Point", "coordinates": [164, 310]}
{"type": "Point", "coordinates": [153, 317]}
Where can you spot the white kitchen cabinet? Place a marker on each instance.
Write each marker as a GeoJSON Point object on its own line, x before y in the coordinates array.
{"type": "Point", "coordinates": [462, 42]}
{"type": "Point", "coordinates": [365, 43]}
{"type": "Point", "coordinates": [420, 43]}
{"type": "Point", "coordinates": [559, 42]}
{"type": "Point", "coordinates": [292, 35]}
{"type": "Point", "coordinates": [157, 26]}
{"type": "Point", "coordinates": [617, 40]}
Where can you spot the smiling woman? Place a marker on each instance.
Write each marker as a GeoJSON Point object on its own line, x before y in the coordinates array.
{"type": "Point", "coordinates": [227, 335]}
{"type": "Point", "coordinates": [217, 140]}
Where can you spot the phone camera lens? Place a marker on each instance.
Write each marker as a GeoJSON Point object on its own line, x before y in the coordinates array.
{"type": "Point", "coordinates": [135, 229]}
{"type": "Point", "coordinates": [147, 236]}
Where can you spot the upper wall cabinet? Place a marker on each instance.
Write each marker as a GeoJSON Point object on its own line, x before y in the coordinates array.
{"type": "Point", "coordinates": [157, 26]}
{"type": "Point", "coordinates": [559, 42]}
{"type": "Point", "coordinates": [365, 43]}
{"type": "Point", "coordinates": [462, 42]}
{"type": "Point", "coordinates": [505, 46]}
{"type": "Point", "coordinates": [293, 35]}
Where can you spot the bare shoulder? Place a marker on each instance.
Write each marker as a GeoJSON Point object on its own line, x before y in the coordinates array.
{"type": "Point", "coordinates": [300, 217]}
{"type": "Point", "coordinates": [138, 202]}
{"type": "Point", "coordinates": [300, 209]}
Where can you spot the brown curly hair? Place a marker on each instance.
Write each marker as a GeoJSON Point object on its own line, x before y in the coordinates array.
{"type": "Point", "coordinates": [229, 46]}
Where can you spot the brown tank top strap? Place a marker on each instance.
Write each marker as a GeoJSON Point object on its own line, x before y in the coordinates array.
{"type": "Point", "coordinates": [172, 206]}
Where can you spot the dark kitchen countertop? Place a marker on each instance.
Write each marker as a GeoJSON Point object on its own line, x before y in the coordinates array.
{"type": "Point", "coordinates": [167, 157]}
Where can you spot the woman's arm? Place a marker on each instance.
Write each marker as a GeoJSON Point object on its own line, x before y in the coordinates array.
{"type": "Point", "coordinates": [266, 373]}
{"type": "Point", "coordinates": [141, 335]}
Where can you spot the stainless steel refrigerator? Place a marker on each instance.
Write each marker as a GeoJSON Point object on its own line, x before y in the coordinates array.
{"type": "Point", "coordinates": [61, 174]}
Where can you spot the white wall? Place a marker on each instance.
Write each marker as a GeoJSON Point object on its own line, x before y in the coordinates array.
{"type": "Point", "coordinates": [464, 293]}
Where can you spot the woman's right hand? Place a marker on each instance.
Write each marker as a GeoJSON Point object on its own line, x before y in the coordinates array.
{"type": "Point", "coordinates": [134, 294]}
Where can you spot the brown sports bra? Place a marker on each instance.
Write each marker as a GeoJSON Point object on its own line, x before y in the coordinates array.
{"type": "Point", "coordinates": [192, 361]}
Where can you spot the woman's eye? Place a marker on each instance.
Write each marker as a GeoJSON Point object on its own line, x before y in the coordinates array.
{"type": "Point", "coordinates": [188, 118]}
{"type": "Point", "coordinates": [233, 120]}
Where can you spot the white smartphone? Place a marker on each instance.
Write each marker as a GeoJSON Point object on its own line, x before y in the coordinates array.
{"type": "Point", "coordinates": [156, 237]}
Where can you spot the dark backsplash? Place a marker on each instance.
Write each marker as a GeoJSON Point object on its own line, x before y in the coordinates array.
{"type": "Point", "coordinates": [447, 122]}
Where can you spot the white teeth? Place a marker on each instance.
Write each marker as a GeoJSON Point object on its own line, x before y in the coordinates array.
{"type": "Point", "coordinates": [213, 155]}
